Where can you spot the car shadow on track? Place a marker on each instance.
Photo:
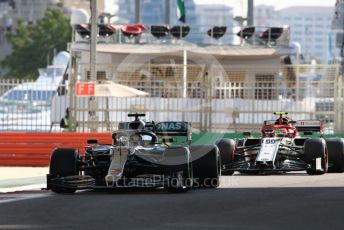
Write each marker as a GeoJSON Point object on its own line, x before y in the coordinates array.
{"type": "Point", "coordinates": [135, 191]}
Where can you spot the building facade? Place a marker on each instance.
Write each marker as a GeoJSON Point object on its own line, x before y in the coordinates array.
{"type": "Point", "coordinates": [310, 27]}
{"type": "Point", "coordinates": [265, 15]}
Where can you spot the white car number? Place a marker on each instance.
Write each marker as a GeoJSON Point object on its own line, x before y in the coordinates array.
{"type": "Point", "coordinates": [268, 150]}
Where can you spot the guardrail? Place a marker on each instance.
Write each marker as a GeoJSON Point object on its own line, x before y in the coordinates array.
{"type": "Point", "coordinates": [34, 149]}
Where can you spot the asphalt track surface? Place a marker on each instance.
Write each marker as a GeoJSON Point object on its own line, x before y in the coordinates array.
{"type": "Point", "coordinates": [290, 201]}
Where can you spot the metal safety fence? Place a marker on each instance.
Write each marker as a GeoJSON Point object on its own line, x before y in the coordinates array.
{"type": "Point", "coordinates": [216, 98]}
{"type": "Point", "coordinates": [219, 98]}
{"type": "Point", "coordinates": [26, 105]}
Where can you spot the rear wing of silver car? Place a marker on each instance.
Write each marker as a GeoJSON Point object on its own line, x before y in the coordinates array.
{"type": "Point", "coordinates": [174, 128]}
{"type": "Point", "coordinates": [309, 126]}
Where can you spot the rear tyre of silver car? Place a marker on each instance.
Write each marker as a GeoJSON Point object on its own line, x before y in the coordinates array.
{"type": "Point", "coordinates": [226, 149]}
{"type": "Point", "coordinates": [335, 149]}
{"type": "Point", "coordinates": [63, 163]}
{"type": "Point", "coordinates": [206, 164]}
{"type": "Point", "coordinates": [179, 169]}
{"type": "Point", "coordinates": [313, 149]}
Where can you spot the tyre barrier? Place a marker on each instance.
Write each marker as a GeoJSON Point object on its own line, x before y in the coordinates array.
{"type": "Point", "coordinates": [34, 149]}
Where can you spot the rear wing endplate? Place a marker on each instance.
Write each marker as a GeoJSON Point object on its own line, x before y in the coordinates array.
{"type": "Point", "coordinates": [166, 128]}
{"type": "Point", "coordinates": [309, 126]}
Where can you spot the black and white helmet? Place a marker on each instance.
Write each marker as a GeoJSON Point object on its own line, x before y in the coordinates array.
{"type": "Point", "coordinates": [137, 124]}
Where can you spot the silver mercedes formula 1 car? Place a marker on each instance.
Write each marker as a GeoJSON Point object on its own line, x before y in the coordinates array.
{"type": "Point", "coordinates": [142, 154]}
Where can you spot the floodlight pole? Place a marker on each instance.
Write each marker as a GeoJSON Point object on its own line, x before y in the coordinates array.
{"type": "Point", "coordinates": [137, 18]}
{"type": "Point", "coordinates": [167, 11]}
{"type": "Point", "coordinates": [137, 11]}
{"type": "Point", "coordinates": [250, 12]}
{"type": "Point", "coordinates": [93, 58]}
{"type": "Point", "coordinates": [185, 69]}
{"type": "Point", "coordinates": [93, 50]}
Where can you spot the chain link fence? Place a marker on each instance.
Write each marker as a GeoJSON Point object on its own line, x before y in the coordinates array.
{"type": "Point", "coordinates": [25, 106]}
{"type": "Point", "coordinates": [218, 98]}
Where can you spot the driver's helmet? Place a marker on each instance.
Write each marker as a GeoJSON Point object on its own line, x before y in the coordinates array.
{"type": "Point", "coordinates": [137, 125]}
{"type": "Point", "coordinates": [282, 121]}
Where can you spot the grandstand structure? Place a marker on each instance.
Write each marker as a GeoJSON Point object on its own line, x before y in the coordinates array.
{"type": "Point", "coordinates": [218, 87]}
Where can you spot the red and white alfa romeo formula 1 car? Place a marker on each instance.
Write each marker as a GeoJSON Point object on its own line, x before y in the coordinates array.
{"type": "Point", "coordinates": [281, 148]}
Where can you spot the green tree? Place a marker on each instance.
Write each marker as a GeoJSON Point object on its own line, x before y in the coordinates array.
{"type": "Point", "coordinates": [31, 44]}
